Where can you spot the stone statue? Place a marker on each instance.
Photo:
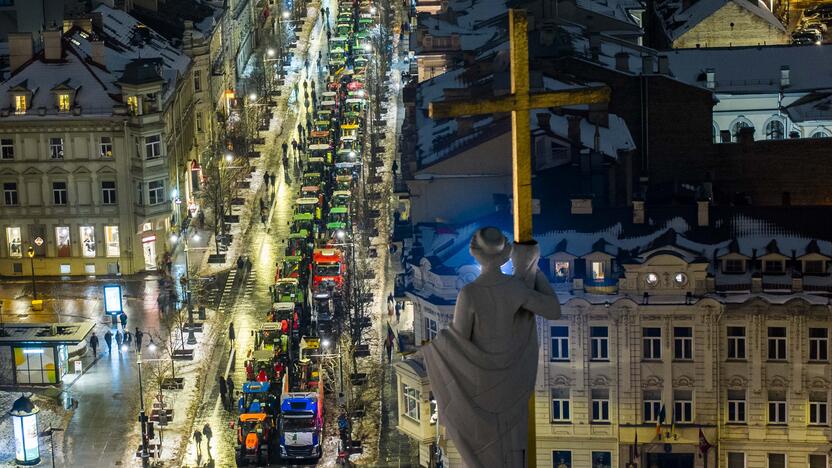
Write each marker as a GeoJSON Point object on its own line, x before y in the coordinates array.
{"type": "Point", "coordinates": [482, 369]}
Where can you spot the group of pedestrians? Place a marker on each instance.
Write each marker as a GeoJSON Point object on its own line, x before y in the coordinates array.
{"type": "Point", "coordinates": [122, 337]}
{"type": "Point", "coordinates": [226, 391]}
{"type": "Point", "coordinates": [207, 433]}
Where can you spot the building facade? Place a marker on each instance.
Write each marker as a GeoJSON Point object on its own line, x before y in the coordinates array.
{"type": "Point", "coordinates": [674, 349]}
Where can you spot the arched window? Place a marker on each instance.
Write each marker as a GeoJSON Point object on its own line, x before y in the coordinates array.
{"type": "Point", "coordinates": [820, 133]}
{"type": "Point", "coordinates": [737, 126]}
{"type": "Point", "coordinates": [715, 133]}
{"type": "Point", "coordinates": [775, 129]}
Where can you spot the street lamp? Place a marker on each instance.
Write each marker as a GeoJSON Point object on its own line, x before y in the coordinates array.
{"type": "Point", "coordinates": [31, 253]}
{"type": "Point", "coordinates": [142, 415]}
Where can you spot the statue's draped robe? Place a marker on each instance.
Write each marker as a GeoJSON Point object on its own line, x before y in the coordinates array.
{"type": "Point", "coordinates": [482, 376]}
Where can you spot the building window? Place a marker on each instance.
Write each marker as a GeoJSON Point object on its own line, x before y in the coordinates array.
{"type": "Point", "coordinates": [562, 270]}
{"type": "Point", "coordinates": [20, 104]}
{"type": "Point", "coordinates": [736, 460]}
{"type": "Point", "coordinates": [62, 241]}
{"type": "Point", "coordinates": [651, 339]}
{"type": "Point", "coordinates": [735, 129]}
{"type": "Point", "coordinates": [156, 192]}
{"type": "Point", "coordinates": [560, 343]}
{"type": "Point", "coordinates": [600, 405]}
{"type": "Point", "coordinates": [775, 130]}
{"type": "Point", "coordinates": [601, 460]}
{"type": "Point", "coordinates": [776, 460]}
{"type": "Point", "coordinates": [777, 343]}
{"type": "Point", "coordinates": [411, 402]}
{"type": "Point", "coordinates": [108, 192]}
{"type": "Point", "coordinates": [140, 195]}
{"type": "Point", "coordinates": [820, 134]}
{"type": "Point", "coordinates": [430, 329]}
{"type": "Point", "coordinates": [133, 104]}
{"type": "Point", "coordinates": [63, 102]}
{"type": "Point", "coordinates": [818, 461]}
{"type": "Point", "coordinates": [199, 121]}
{"type": "Point", "coordinates": [736, 342]}
{"type": "Point", "coordinates": [561, 458]}
{"type": "Point", "coordinates": [776, 407]}
{"type": "Point", "coordinates": [652, 280]}
{"type": "Point", "coordinates": [734, 265]}
{"type": "Point", "coordinates": [652, 405]}
{"type": "Point", "coordinates": [773, 266]}
{"type": "Point", "coordinates": [35, 365]}
{"type": "Point", "coordinates": [197, 80]}
{"type": "Point", "coordinates": [736, 406]}
{"type": "Point", "coordinates": [813, 267]}
{"type": "Point", "coordinates": [599, 337]}
{"type": "Point", "coordinates": [105, 147]}
{"type": "Point", "coordinates": [13, 241]}
{"type": "Point", "coordinates": [818, 408]}
{"type": "Point", "coordinates": [153, 146]}
{"type": "Point", "coordinates": [683, 343]}
{"type": "Point", "coordinates": [560, 405]}
{"type": "Point", "coordinates": [10, 194]}
{"type": "Point", "coordinates": [683, 406]}
{"type": "Point", "coordinates": [111, 241]}
{"type": "Point", "coordinates": [59, 193]}
{"type": "Point", "coordinates": [87, 241]}
{"type": "Point", "coordinates": [56, 148]}
{"type": "Point", "coordinates": [598, 271]}
{"type": "Point", "coordinates": [6, 148]}
{"type": "Point", "coordinates": [818, 344]}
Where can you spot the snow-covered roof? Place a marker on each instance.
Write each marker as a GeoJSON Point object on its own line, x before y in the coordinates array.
{"type": "Point", "coordinates": [469, 39]}
{"type": "Point", "coordinates": [813, 106]}
{"type": "Point", "coordinates": [94, 89]}
{"type": "Point", "coordinates": [618, 9]}
{"type": "Point", "coordinates": [127, 39]}
{"type": "Point", "coordinates": [677, 20]}
{"type": "Point", "coordinates": [749, 70]}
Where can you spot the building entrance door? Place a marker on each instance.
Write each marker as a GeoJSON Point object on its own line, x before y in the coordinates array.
{"type": "Point", "coordinates": [149, 249]}
{"type": "Point", "coordinates": [670, 460]}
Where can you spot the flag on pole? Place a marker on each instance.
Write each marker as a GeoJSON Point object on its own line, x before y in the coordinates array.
{"type": "Point", "coordinates": [660, 422]}
{"type": "Point", "coordinates": [704, 445]}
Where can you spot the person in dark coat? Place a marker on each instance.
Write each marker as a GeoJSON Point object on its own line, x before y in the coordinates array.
{"type": "Point", "coordinates": [123, 318]}
{"type": "Point", "coordinates": [266, 178]}
{"type": "Point", "coordinates": [223, 392]}
{"type": "Point", "coordinates": [300, 127]}
{"type": "Point", "coordinates": [229, 383]}
{"type": "Point", "coordinates": [198, 440]}
{"type": "Point", "coordinates": [108, 337]}
{"type": "Point", "coordinates": [285, 147]}
{"type": "Point", "coordinates": [139, 336]}
{"type": "Point", "coordinates": [294, 145]}
{"type": "Point", "coordinates": [208, 433]}
{"type": "Point", "coordinates": [231, 334]}
{"type": "Point", "coordinates": [94, 345]}
{"type": "Point", "coordinates": [273, 177]}
{"type": "Point", "coordinates": [119, 339]}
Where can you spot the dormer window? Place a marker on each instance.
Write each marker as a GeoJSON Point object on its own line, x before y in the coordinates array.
{"type": "Point", "coordinates": [599, 270]}
{"type": "Point", "coordinates": [773, 266]}
{"type": "Point", "coordinates": [21, 104]}
{"type": "Point", "coordinates": [813, 267]}
{"type": "Point", "coordinates": [734, 265]}
{"type": "Point", "coordinates": [562, 270]}
{"type": "Point", "coordinates": [63, 102]}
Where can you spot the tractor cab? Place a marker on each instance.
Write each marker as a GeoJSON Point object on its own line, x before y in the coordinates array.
{"type": "Point", "coordinates": [298, 244]}
{"type": "Point", "coordinates": [316, 164]}
{"type": "Point", "coordinates": [288, 290]}
{"type": "Point", "coordinates": [322, 152]}
{"type": "Point", "coordinates": [328, 268]}
{"type": "Point", "coordinates": [338, 219]}
{"type": "Point", "coordinates": [343, 181]}
{"type": "Point", "coordinates": [292, 266]}
{"type": "Point", "coordinates": [256, 398]}
{"type": "Point", "coordinates": [310, 191]}
{"type": "Point", "coordinates": [267, 337]}
{"type": "Point", "coordinates": [312, 178]}
{"type": "Point", "coordinates": [341, 198]}
{"type": "Point", "coordinates": [303, 222]}
{"type": "Point", "coordinates": [306, 205]}
{"type": "Point", "coordinates": [254, 434]}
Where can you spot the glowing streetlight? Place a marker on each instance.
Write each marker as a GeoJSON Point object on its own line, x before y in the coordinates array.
{"type": "Point", "coordinates": [152, 346]}
{"type": "Point", "coordinates": [368, 47]}
{"type": "Point", "coordinates": [373, 10]}
{"type": "Point", "coordinates": [196, 237]}
{"type": "Point", "coordinates": [173, 238]}
{"type": "Point", "coordinates": [270, 52]}
{"type": "Point", "coordinates": [340, 234]}
{"type": "Point", "coordinates": [285, 15]}
{"type": "Point", "coordinates": [325, 343]}
{"type": "Point", "coordinates": [252, 97]}
{"type": "Point", "coordinates": [352, 154]}
{"type": "Point", "coordinates": [229, 157]}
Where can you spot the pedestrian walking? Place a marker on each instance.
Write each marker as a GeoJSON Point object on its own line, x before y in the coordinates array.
{"type": "Point", "coordinates": [128, 337]}
{"type": "Point", "coordinates": [123, 318]}
{"type": "Point", "coordinates": [308, 127]}
{"type": "Point", "coordinates": [198, 440]}
{"type": "Point", "coordinates": [206, 431]}
{"type": "Point", "coordinates": [231, 334]}
{"type": "Point", "coordinates": [295, 146]}
{"type": "Point", "coordinates": [108, 337]}
{"type": "Point", "coordinates": [119, 340]}
{"type": "Point", "coordinates": [285, 147]}
{"type": "Point", "coordinates": [266, 178]}
{"type": "Point", "coordinates": [395, 168]}
{"type": "Point", "coordinates": [262, 204]}
{"type": "Point", "coordinates": [328, 33]}
{"type": "Point", "coordinates": [388, 346]}
{"type": "Point", "coordinates": [139, 336]}
{"type": "Point", "coordinates": [94, 345]}
{"type": "Point", "coordinates": [223, 392]}
{"type": "Point", "coordinates": [300, 127]}
{"type": "Point", "coordinates": [398, 311]}
{"type": "Point", "coordinates": [229, 383]}
{"type": "Point", "coordinates": [264, 215]}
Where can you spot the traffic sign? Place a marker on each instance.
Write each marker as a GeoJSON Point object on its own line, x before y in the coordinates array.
{"type": "Point", "coordinates": [38, 241]}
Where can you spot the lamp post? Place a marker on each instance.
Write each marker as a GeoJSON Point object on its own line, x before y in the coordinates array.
{"type": "Point", "coordinates": [31, 253]}
{"type": "Point", "coordinates": [142, 416]}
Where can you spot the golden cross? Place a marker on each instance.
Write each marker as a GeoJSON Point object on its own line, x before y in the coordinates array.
{"type": "Point", "coordinates": [519, 103]}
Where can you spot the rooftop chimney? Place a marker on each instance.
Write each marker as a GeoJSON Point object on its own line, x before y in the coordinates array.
{"type": "Point", "coordinates": [647, 64]}
{"type": "Point", "coordinates": [710, 78]}
{"type": "Point", "coordinates": [638, 211]}
{"type": "Point", "coordinates": [581, 204]}
{"type": "Point", "coordinates": [785, 78]}
{"type": "Point", "coordinates": [573, 131]}
{"type": "Point", "coordinates": [20, 49]}
{"type": "Point", "coordinates": [97, 53]}
{"type": "Point", "coordinates": [664, 65]}
{"type": "Point", "coordinates": [702, 212]}
{"type": "Point", "coordinates": [52, 49]}
{"type": "Point", "coordinates": [543, 119]}
{"type": "Point", "coordinates": [622, 61]}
